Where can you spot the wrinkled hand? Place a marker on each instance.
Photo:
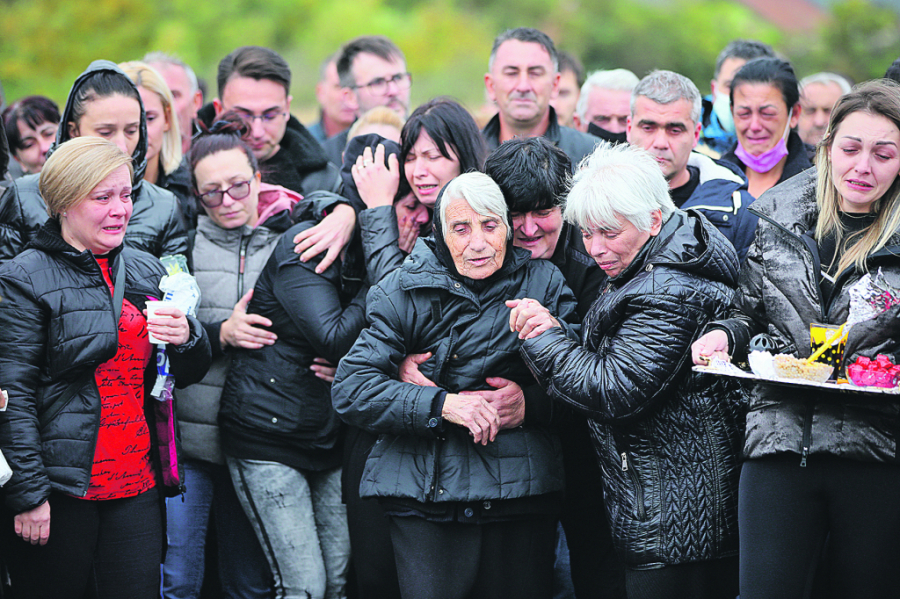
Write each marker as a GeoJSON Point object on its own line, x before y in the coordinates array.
{"type": "Point", "coordinates": [241, 329]}
{"type": "Point", "coordinates": [169, 325]}
{"type": "Point", "coordinates": [323, 369]}
{"type": "Point", "coordinates": [376, 183]}
{"type": "Point", "coordinates": [529, 318]}
{"type": "Point", "coordinates": [712, 345]}
{"type": "Point", "coordinates": [409, 232]}
{"type": "Point", "coordinates": [409, 370]}
{"type": "Point", "coordinates": [508, 399]}
{"type": "Point", "coordinates": [329, 236]}
{"type": "Point", "coordinates": [473, 412]}
{"type": "Point", "coordinates": [34, 525]}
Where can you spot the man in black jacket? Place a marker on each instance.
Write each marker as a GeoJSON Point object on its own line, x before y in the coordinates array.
{"type": "Point", "coordinates": [522, 78]}
{"type": "Point", "coordinates": [255, 82]}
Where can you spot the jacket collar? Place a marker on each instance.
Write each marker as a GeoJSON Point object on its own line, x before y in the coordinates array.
{"type": "Point", "coordinates": [491, 131]}
{"type": "Point", "coordinates": [690, 243]}
{"type": "Point", "coordinates": [49, 240]}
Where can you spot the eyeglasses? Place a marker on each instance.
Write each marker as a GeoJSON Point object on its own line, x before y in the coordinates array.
{"type": "Point", "coordinates": [379, 86]}
{"type": "Point", "coordinates": [265, 118]}
{"type": "Point", "coordinates": [214, 198]}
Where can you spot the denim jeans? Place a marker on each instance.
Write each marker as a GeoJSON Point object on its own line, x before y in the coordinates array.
{"type": "Point", "coordinates": [301, 525]}
{"type": "Point", "coordinates": [243, 570]}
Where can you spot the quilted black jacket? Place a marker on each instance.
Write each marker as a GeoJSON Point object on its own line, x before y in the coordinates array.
{"type": "Point", "coordinates": [56, 315]}
{"type": "Point", "coordinates": [779, 294]}
{"type": "Point", "coordinates": [667, 439]}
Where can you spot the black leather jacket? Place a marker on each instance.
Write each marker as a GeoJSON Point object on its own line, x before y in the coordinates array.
{"type": "Point", "coordinates": [57, 322]}
{"type": "Point", "coordinates": [156, 226]}
{"type": "Point", "coordinates": [668, 439]}
{"type": "Point", "coordinates": [779, 294]}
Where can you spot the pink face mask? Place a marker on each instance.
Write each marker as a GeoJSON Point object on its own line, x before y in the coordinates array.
{"type": "Point", "coordinates": [768, 159]}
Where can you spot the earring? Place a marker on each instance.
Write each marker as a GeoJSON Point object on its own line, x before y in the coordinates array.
{"type": "Point", "coordinates": [65, 214]}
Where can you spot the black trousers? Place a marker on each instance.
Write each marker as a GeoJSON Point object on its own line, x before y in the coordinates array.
{"type": "Point", "coordinates": [786, 512]}
{"type": "Point", "coordinates": [597, 571]}
{"type": "Point", "coordinates": [97, 550]}
{"type": "Point", "coordinates": [712, 579]}
{"type": "Point", "coordinates": [372, 554]}
{"type": "Point", "coordinates": [453, 560]}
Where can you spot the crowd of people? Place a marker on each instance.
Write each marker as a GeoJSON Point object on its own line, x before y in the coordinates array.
{"type": "Point", "coordinates": [434, 357]}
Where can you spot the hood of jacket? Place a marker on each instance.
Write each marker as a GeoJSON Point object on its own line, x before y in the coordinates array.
{"type": "Point", "coordinates": [690, 243]}
{"type": "Point", "coordinates": [355, 148]}
{"type": "Point", "coordinates": [139, 157]}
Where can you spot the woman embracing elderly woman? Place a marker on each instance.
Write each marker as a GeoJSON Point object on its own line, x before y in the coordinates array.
{"type": "Point", "coordinates": [92, 452]}
{"type": "Point", "coordinates": [667, 439]}
{"type": "Point", "coordinates": [472, 504]}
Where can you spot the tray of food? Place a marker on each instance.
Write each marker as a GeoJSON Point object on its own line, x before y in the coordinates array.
{"type": "Point", "coordinates": [876, 377]}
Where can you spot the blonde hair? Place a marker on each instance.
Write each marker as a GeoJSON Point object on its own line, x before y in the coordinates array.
{"type": "Point", "coordinates": [143, 75]}
{"type": "Point", "coordinates": [880, 97]}
{"type": "Point", "coordinates": [75, 168]}
{"type": "Point", "coordinates": [380, 115]}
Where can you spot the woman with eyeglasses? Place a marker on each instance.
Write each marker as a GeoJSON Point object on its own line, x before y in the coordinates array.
{"type": "Point", "coordinates": [240, 222]}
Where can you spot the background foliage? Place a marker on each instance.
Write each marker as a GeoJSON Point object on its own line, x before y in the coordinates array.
{"type": "Point", "coordinates": [47, 43]}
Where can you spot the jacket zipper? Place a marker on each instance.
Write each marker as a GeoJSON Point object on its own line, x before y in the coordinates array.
{"type": "Point", "coordinates": [436, 477]}
{"type": "Point", "coordinates": [807, 419]}
{"type": "Point", "coordinates": [807, 435]}
{"type": "Point", "coordinates": [245, 241]}
{"type": "Point", "coordinates": [638, 489]}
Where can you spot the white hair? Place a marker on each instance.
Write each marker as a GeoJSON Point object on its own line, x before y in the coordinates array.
{"type": "Point", "coordinates": [481, 193]}
{"type": "Point", "coordinates": [613, 79]}
{"type": "Point", "coordinates": [616, 182]}
{"type": "Point", "coordinates": [665, 87]}
{"type": "Point", "coordinates": [826, 78]}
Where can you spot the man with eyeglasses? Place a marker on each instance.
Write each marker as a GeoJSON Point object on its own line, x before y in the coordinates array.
{"type": "Point", "coordinates": [372, 71]}
{"type": "Point", "coordinates": [255, 82]}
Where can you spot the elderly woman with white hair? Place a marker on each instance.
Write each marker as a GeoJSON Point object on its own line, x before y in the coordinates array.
{"type": "Point", "coordinates": [472, 499]}
{"type": "Point", "coordinates": [667, 439]}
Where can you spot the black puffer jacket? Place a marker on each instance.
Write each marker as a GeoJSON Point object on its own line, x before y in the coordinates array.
{"type": "Point", "coordinates": [421, 307]}
{"type": "Point", "coordinates": [156, 224]}
{"type": "Point", "coordinates": [273, 407]}
{"type": "Point", "coordinates": [668, 439]}
{"type": "Point", "coordinates": [57, 322]}
{"type": "Point", "coordinates": [779, 294]}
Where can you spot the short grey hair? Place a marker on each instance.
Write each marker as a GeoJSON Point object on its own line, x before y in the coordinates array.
{"type": "Point", "coordinates": [163, 58]}
{"type": "Point", "coordinates": [665, 87]}
{"type": "Point", "coordinates": [613, 79]}
{"type": "Point", "coordinates": [525, 35]}
{"type": "Point", "coordinates": [826, 79]}
{"type": "Point", "coordinates": [482, 194]}
{"type": "Point", "coordinates": [616, 182]}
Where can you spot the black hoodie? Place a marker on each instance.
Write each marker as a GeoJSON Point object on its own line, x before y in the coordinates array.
{"type": "Point", "coordinates": [156, 225]}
